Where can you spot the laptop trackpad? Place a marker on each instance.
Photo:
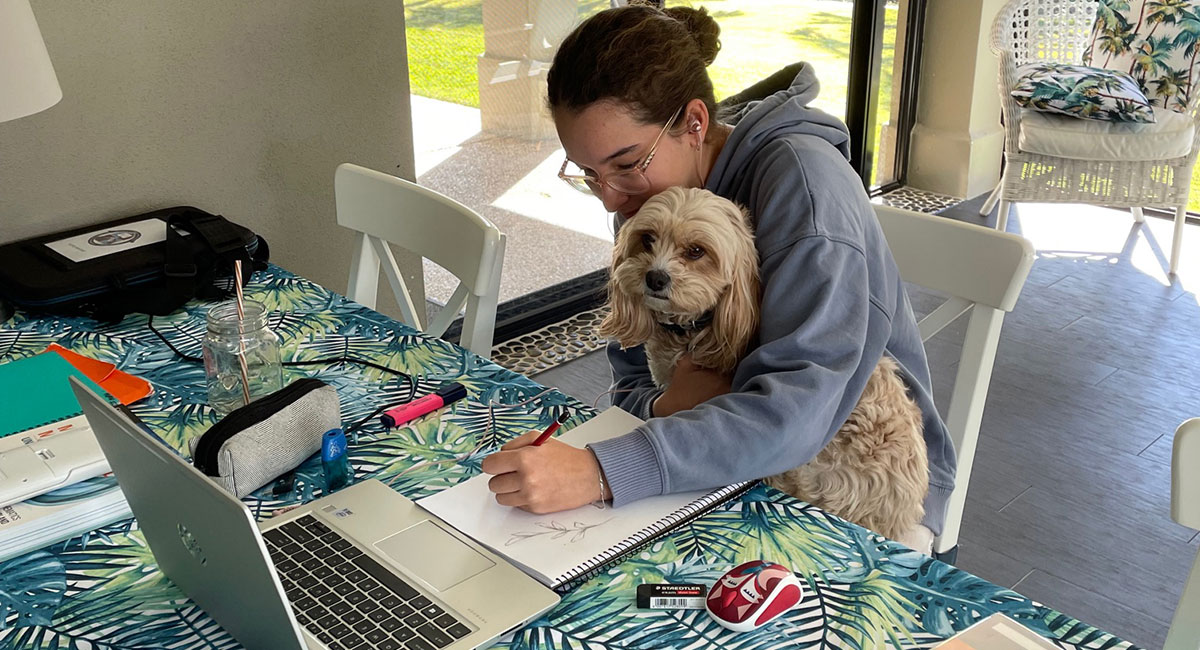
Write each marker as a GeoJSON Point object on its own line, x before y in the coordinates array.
{"type": "Point", "coordinates": [433, 555]}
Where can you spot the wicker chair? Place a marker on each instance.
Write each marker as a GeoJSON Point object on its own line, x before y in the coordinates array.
{"type": "Point", "coordinates": [1033, 31]}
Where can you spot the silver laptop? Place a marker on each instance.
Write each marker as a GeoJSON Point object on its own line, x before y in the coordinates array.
{"type": "Point", "coordinates": [361, 568]}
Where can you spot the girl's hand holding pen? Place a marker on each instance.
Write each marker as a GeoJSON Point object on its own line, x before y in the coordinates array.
{"type": "Point", "coordinates": [543, 478]}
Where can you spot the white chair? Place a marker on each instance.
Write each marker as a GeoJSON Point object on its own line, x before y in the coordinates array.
{"type": "Point", "coordinates": [1185, 509]}
{"type": "Point", "coordinates": [1058, 158]}
{"type": "Point", "coordinates": [981, 271]}
{"type": "Point", "coordinates": [384, 209]}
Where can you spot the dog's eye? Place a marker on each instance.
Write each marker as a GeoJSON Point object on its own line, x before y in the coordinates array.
{"type": "Point", "coordinates": [693, 252]}
{"type": "Point", "coordinates": [647, 240]}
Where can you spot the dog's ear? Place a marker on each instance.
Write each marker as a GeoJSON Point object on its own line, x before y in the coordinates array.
{"type": "Point", "coordinates": [736, 318]}
{"type": "Point", "coordinates": [629, 322]}
{"type": "Point", "coordinates": [624, 244]}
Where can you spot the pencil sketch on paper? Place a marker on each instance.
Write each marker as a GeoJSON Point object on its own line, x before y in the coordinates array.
{"type": "Point", "coordinates": [577, 530]}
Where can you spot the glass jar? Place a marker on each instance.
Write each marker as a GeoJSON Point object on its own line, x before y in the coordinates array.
{"type": "Point", "coordinates": [227, 343]}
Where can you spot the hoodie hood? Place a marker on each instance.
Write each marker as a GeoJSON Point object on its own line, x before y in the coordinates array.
{"type": "Point", "coordinates": [760, 122]}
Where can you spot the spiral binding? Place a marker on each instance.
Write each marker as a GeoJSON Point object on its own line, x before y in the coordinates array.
{"type": "Point", "coordinates": [646, 536]}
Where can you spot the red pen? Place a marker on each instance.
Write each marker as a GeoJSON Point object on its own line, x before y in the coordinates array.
{"type": "Point", "coordinates": [550, 429]}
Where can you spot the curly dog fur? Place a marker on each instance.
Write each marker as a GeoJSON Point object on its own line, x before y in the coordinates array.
{"type": "Point", "coordinates": [684, 279]}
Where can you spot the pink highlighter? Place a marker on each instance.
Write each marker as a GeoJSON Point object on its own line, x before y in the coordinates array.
{"type": "Point", "coordinates": [405, 413]}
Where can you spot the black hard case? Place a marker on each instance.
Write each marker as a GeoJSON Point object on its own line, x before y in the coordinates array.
{"type": "Point", "coordinates": [158, 278]}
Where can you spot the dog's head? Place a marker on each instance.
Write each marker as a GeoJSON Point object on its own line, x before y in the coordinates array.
{"type": "Point", "coordinates": [686, 253]}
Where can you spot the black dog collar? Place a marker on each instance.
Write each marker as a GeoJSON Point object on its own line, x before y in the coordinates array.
{"type": "Point", "coordinates": [704, 321]}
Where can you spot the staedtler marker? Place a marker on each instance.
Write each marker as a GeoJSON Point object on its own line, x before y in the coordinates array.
{"type": "Point", "coordinates": [399, 415]}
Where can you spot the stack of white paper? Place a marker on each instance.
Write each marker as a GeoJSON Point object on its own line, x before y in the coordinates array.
{"type": "Point", "coordinates": [60, 515]}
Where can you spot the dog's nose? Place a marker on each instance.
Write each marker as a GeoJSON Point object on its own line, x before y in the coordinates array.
{"type": "Point", "coordinates": [657, 280]}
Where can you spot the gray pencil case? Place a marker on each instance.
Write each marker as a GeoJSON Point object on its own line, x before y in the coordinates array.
{"type": "Point", "coordinates": [268, 437]}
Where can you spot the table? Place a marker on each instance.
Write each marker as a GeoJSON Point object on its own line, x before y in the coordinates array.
{"type": "Point", "coordinates": [103, 589]}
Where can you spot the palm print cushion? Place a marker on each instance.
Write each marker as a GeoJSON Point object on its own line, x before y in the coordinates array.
{"type": "Point", "coordinates": [1157, 42]}
{"type": "Point", "coordinates": [1080, 91]}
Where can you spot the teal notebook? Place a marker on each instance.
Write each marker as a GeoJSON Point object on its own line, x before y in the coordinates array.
{"type": "Point", "coordinates": [34, 391]}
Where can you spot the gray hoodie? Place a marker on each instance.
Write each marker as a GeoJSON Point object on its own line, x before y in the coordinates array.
{"type": "Point", "coordinates": [833, 304]}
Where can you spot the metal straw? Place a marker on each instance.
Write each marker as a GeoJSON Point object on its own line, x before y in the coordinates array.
{"type": "Point", "coordinates": [241, 311]}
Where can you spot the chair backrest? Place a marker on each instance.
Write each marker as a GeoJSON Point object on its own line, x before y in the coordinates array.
{"type": "Point", "coordinates": [384, 209]}
{"type": "Point", "coordinates": [1185, 474]}
{"type": "Point", "coordinates": [1033, 31]}
{"type": "Point", "coordinates": [982, 271]}
{"type": "Point", "coordinates": [1185, 509]}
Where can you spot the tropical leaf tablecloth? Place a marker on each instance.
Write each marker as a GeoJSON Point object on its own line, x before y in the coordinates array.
{"type": "Point", "coordinates": [104, 590]}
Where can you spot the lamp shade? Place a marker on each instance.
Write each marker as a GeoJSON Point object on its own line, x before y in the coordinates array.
{"type": "Point", "coordinates": [27, 81]}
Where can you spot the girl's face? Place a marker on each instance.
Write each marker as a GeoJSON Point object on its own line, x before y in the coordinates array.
{"type": "Point", "coordinates": [605, 139]}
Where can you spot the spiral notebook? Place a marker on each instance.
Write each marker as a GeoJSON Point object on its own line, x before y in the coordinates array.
{"type": "Point", "coordinates": [34, 392]}
{"type": "Point", "coordinates": [565, 548]}
{"type": "Point", "coordinates": [45, 441]}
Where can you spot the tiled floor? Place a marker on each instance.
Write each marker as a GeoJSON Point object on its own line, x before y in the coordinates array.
{"type": "Point", "coordinates": [1098, 364]}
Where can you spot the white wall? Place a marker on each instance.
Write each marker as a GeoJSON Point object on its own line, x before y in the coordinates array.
{"type": "Point", "coordinates": [239, 107]}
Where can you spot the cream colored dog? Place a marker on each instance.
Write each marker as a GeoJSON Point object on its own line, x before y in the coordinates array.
{"type": "Point", "coordinates": [684, 278]}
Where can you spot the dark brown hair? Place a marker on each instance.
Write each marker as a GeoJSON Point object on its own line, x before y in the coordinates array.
{"type": "Point", "coordinates": [650, 60]}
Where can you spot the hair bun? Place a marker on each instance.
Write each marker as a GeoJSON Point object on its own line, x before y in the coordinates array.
{"type": "Point", "coordinates": [703, 29]}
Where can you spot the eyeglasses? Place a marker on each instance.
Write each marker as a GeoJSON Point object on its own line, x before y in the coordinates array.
{"type": "Point", "coordinates": [629, 181]}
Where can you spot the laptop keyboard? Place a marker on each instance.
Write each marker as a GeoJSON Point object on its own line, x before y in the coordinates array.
{"type": "Point", "coordinates": [349, 601]}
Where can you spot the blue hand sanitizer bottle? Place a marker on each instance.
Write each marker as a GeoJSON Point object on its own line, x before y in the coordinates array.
{"type": "Point", "coordinates": [335, 460]}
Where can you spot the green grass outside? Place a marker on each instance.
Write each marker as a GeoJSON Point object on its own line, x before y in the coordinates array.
{"type": "Point", "coordinates": [449, 75]}
{"type": "Point", "coordinates": [445, 39]}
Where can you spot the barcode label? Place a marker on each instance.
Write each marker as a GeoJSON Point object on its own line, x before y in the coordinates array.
{"type": "Point", "coordinates": [676, 603]}
{"type": "Point", "coordinates": [670, 596]}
